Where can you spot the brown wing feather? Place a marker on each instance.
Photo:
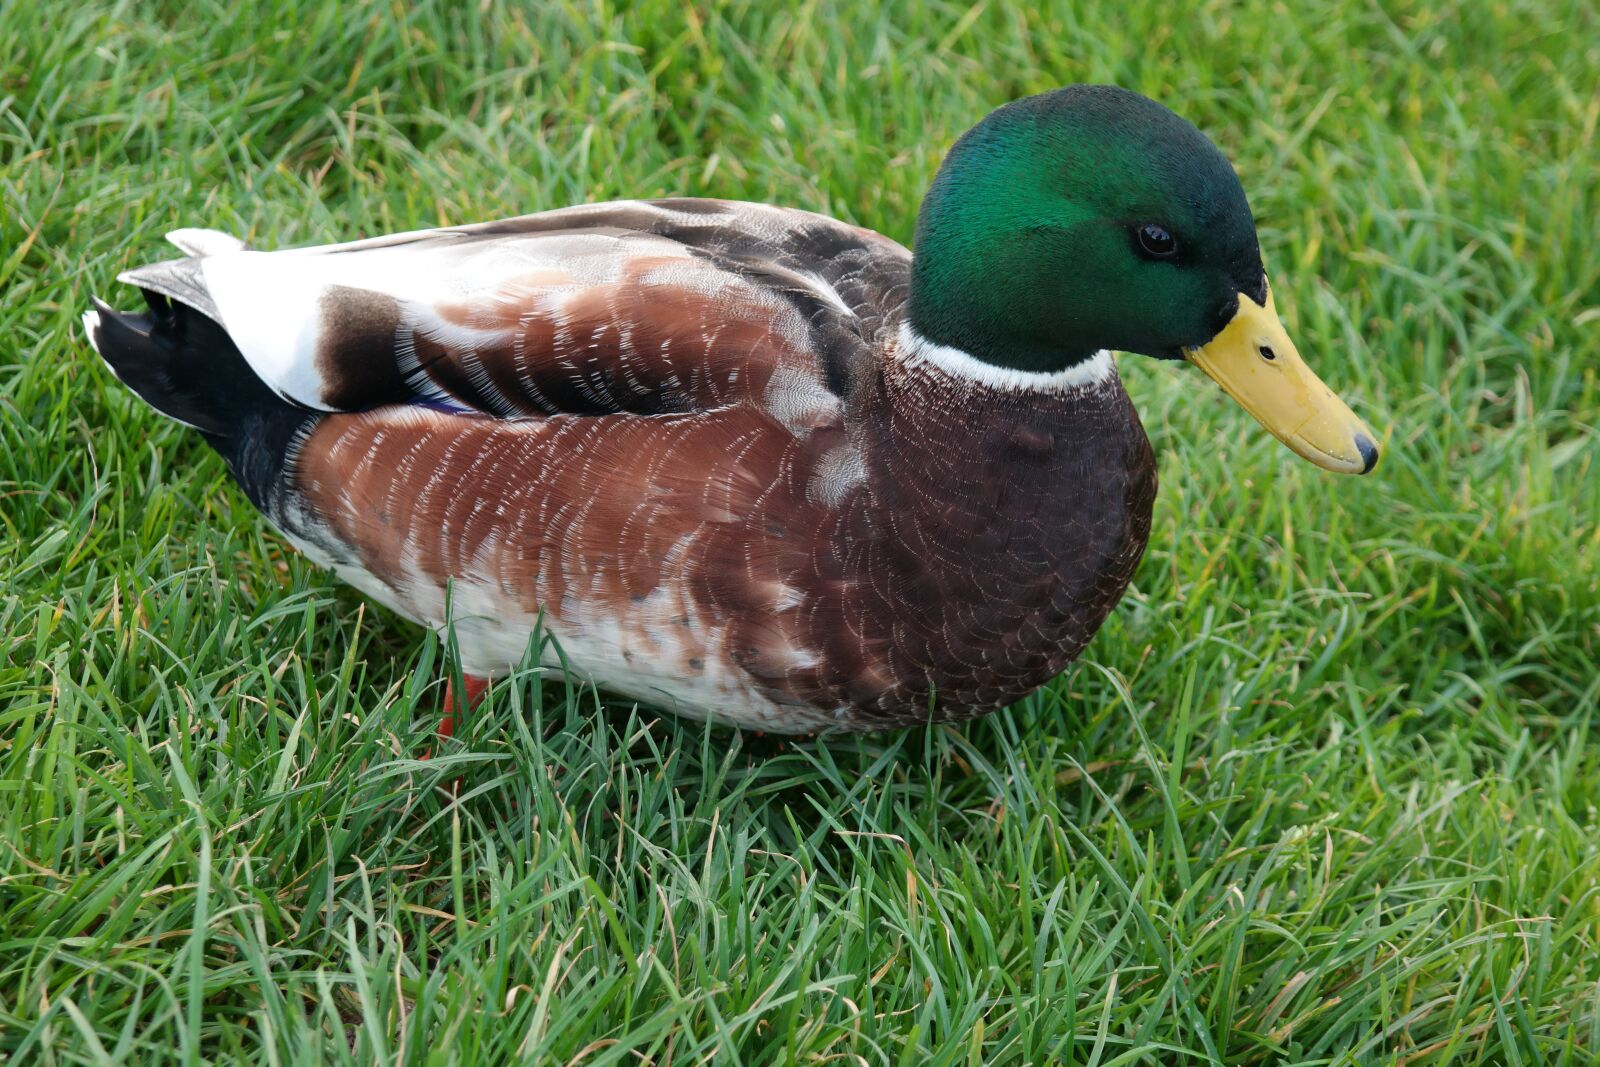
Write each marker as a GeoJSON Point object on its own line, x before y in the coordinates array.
{"type": "Point", "coordinates": [667, 335]}
{"type": "Point", "coordinates": [648, 308]}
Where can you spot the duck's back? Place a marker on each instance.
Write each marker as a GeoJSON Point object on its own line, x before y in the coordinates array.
{"type": "Point", "coordinates": [634, 306]}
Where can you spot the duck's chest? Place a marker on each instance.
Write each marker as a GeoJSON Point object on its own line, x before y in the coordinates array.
{"type": "Point", "coordinates": [994, 532]}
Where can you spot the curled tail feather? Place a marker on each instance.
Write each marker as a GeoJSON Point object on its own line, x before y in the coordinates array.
{"type": "Point", "coordinates": [181, 362]}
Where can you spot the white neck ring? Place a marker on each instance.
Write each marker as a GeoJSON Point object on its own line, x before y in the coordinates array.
{"type": "Point", "coordinates": [916, 350]}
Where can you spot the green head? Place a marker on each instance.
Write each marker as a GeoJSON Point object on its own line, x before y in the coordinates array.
{"type": "Point", "coordinates": [1092, 218]}
{"type": "Point", "coordinates": [1082, 219]}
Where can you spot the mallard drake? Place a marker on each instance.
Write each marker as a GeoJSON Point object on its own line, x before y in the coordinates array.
{"type": "Point", "coordinates": [748, 462]}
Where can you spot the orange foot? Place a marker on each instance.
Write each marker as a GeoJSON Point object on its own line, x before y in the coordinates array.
{"type": "Point", "coordinates": [454, 708]}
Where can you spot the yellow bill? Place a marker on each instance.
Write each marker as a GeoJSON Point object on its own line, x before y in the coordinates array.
{"type": "Point", "coordinates": [1255, 363]}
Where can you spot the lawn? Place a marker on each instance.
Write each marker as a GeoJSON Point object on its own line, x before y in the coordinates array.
{"type": "Point", "coordinates": [1325, 790]}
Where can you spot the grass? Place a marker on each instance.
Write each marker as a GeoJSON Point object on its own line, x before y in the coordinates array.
{"type": "Point", "coordinates": [1323, 791]}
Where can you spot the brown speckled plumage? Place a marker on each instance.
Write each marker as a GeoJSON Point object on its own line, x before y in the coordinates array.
{"type": "Point", "coordinates": [689, 434]}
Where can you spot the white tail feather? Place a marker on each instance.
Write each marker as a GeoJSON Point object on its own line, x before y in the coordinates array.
{"type": "Point", "coordinates": [91, 327]}
{"type": "Point", "coordinates": [200, 242]}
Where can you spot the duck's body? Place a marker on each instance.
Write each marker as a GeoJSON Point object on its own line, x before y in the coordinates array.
{"type": "Point", "coordinates": [705, 442]}
{"type": "Point", "coordinates": [695, 437]}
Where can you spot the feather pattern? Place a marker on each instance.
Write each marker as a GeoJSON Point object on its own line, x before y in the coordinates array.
{"type": "Point", "coordinates": [642, 307]}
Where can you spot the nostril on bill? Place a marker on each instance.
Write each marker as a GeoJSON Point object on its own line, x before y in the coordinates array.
{"type": "Point", "coordinates": [1267, 353]}
{"type": "Point", "coordinates": [1369, 452]}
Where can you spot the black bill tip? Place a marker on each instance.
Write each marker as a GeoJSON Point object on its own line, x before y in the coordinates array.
{"type": "Point", "coordinates": [1369, 452]}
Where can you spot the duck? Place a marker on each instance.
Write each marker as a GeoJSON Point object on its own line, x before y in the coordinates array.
{"type": "Point", "coordinates": [740, 461]}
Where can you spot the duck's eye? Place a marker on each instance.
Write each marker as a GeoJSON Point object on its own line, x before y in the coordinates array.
{"type": "Point", "coordinates": [1156, 242]}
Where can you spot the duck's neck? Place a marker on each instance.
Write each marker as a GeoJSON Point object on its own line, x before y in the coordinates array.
{"type": "Point", "coordinates": [917, 349]}
{"type": "Point", "coordinates": [957, 307]}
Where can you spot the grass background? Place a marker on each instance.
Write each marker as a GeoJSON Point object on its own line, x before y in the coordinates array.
{"type": "Point", "coordinates": [1323, 791]}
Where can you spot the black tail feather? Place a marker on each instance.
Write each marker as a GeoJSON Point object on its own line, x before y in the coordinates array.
{"type": "Point", "coordinates": [185, 365]}
{"type": "Point", "coordinates": [181, 363]}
